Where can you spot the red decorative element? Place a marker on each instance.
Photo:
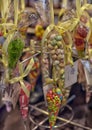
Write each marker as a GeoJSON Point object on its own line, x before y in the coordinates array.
{"type": "Point", "coordinates": [1, 34]}
{"type": "Point", "coordinates": [24, 101]}
{"type": "Point", "coordinates": [79, 41]}
{"type": "Point", "coordinates": [50, 92]}
{"type": "Point", "coordinates": [82, 31]}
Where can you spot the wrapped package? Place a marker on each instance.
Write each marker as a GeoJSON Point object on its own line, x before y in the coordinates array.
{"type": "Point", "coordinates": [33, 75]}
{"type": "Point", "coordinates": [54, 46]}
{"type": "Point", "coordinates": [24, 101]}
{"type": "Point", "coordinates": [15, 23]}
{"type": "Point", "coordinates": [90, 47]}
{"type": "Point", "coordinates": [80, 35]}
{"type": "Point", "coordinates": [42, 8]}
{"type": "Point", "coordinates": [11, 95]}
{"type": "Point", "coordinates": [54, 98]}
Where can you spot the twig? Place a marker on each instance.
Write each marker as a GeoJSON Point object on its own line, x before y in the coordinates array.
{"type": "Point", "coordinates": [31, 57]}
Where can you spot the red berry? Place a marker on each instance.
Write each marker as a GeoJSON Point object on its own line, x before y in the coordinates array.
{"type": "Point", "coordinates": [50, 92]}
{"type": "Point", "coordinates": [79, 41]}
{"type": "Point", "coordinates": [82, 31]}
{"type": "Point", "coordinates": [1, 34]}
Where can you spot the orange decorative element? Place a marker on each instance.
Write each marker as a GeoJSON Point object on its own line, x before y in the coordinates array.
{"type": "Point", "coordinates": [39, 31]}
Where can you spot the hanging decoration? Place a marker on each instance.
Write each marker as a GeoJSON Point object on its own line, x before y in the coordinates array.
{"type": "Point", "coordinates": [54, 98]}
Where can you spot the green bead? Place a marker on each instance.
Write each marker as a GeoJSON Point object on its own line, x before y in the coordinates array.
{"type": "Point", "coordinates": [58, 38]}
{"type": "Point", "coordinates": [58, 91]}
{"type": "Point", "coordinates": [54, 42]}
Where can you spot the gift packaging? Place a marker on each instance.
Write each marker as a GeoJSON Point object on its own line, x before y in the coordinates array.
{"type": "Point", "coordinates": [71, 74]}
{"type": "Point", "coordinates": [24, 101]}
{"type": "Point", "coordinates": [11, 95]}
{"type": "Point", "coordinates": [54, 98]}
{"type": "Point", "coordinates": [42, 7]}
{"type": "Point", "coordinates": [80, 35]}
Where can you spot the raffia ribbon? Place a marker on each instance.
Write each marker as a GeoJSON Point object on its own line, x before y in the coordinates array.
{"type": "Point", "coordinates": [23, 73]}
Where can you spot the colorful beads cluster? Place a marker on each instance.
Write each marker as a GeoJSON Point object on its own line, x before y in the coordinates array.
{"type": "Point", "coordinates": [54, 98]}
{"type": "Point", "coordinates": [80, 35]}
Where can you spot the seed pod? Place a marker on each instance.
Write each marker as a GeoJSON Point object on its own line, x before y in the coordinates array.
{"type": "Point", "coordinates": [56, 47]}
{"type": "Point", "coordinates": [59, 51]}
{"type": "Point", "coordinates": [50, 47]}
{"type": "Point", "coordinates": [54, 57]}
{"type": "Point", "coordinates": [53, 52]}
{"type": "Point", "coordinates": [59, 57]}
{"type": "Point", "coordinates": [52, 36]}
{"type": "Point", "coordinates": [54, 42]}
{"type": "Point", "coordinates": [61, 65]}
{"type": "Point", "coordinates": [59, 44]}
{"type": "Point", "coordinates": [56, 62]}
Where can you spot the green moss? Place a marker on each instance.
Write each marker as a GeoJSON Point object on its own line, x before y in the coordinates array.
{"type": "Point", "coordinates": [15, 49]}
